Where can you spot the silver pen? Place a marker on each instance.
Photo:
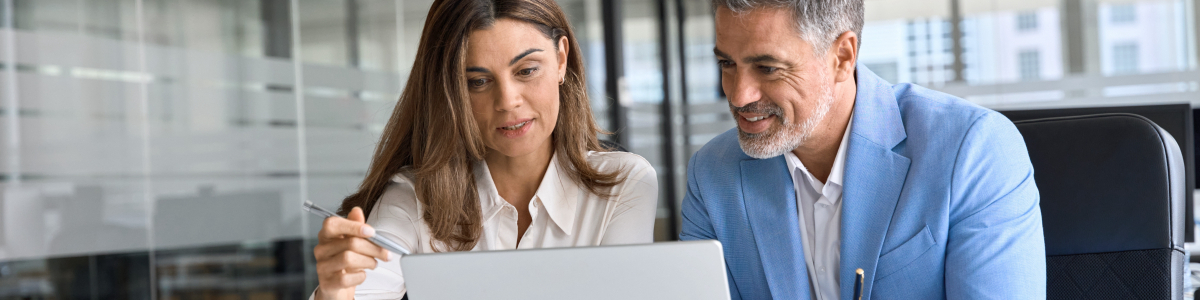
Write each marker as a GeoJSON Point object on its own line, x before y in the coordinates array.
{"type": "Point", "coordinates": [377, 239]}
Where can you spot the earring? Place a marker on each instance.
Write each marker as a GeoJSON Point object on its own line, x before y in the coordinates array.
{"type": "Point", "coordinates": [562, 80]}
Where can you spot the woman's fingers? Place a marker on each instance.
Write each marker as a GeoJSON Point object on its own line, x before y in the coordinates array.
{"type": "Point", "coordinates": [336, 228]}
{"type": "Point", "coordinates": [343, 252]}
{"type": "Point", "coordinates": [357, 245]}
{"type": "Point", "coordinates": [340, 268]}
{"type": "Point", "coordinates": [345, 262]}
{"type": "Point", "coordinates": [356, 214]}
{"type": "Point", "coordinates": [341, 280]}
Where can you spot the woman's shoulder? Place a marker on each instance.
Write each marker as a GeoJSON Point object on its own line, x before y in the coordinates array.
{"type": "Point", "coordinates": [397, 214]}
{"type": "Point", "coordinates": [639, 184]}
{"type": "Point", "coordinates": [400, 198]}
{"type": "Point", "coordinates": [606, 161]}
{"type": "Point", "coordinates": [633, 165]}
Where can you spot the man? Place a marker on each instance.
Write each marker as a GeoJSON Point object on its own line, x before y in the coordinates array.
{"type": "Point", "coordinates": [831, 169]}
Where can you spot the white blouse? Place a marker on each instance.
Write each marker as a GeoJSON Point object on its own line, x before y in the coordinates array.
{"type": "Point", "coordinates": [565, 214]}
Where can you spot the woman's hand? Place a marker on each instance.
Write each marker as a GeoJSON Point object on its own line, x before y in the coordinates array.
{"type": "Point", "coordinates": [343, 253]}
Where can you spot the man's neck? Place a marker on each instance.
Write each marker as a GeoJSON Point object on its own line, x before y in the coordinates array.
{"type": "Point", "coordinates": [820, 150]}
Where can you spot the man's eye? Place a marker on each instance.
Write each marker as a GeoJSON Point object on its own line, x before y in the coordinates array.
{"type": "Point", "coordinates": [768, 70]}
{"type": "Point", "coordinates": [724, 63]}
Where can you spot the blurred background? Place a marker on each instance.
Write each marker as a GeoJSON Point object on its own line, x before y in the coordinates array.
{"type": "Point", "coordinates": [160, 149]}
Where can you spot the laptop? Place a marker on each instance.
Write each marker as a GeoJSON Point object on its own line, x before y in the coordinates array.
{"type": "Point", "coordinates": [669, 270]}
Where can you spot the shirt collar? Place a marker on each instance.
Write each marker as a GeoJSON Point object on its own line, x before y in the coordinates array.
{"type": "Point", "coordinates": [836, 173]}
{"type": "Point", "coordinates": [557, 194]}
{"type": "Point", "coordinates": [489, 197]}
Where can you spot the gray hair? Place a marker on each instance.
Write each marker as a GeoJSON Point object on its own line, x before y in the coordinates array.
{"type": "Point", "coordinates": [819, 22]}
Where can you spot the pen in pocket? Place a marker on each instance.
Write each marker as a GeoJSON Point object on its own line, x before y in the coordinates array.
{"type": "Point", "coordinates": [858, 284]}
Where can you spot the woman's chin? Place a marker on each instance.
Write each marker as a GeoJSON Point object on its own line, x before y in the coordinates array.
{"type": "Point", "coordinates": [516, 149]}
{"type": "Point", "coordinates": [514, 152]}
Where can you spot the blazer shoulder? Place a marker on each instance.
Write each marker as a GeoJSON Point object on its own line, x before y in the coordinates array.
{"type": "Point", "coordinates": [722, 151]}
{"type": "Point", "coordinates": [930, 112]}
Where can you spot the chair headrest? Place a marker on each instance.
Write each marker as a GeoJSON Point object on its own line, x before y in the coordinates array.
{"type": "Point", "coordinates": [1108, 182]}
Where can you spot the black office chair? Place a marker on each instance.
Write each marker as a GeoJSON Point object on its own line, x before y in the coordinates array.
{"type": "Point", "coordinates": [1112, 198]}
{"type": "Point", "coordinates": [612, 146]}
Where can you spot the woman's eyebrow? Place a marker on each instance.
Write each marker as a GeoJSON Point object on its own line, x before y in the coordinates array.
{"type": "Point", "coordinates": [522, 55]}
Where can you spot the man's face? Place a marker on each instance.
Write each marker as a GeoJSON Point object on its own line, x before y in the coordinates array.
{"type": "Point", "coordinates": [778, 90]}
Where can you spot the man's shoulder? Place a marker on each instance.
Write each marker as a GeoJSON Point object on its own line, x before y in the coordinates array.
{"type": "Point", "coordinates": [721, 152]}
{"type": "Point", "coordinates": [934, 119]}
{"type": "Point", "coordinates": [920, 105]}
{"type": "Point", "coordinates": [948, 131]}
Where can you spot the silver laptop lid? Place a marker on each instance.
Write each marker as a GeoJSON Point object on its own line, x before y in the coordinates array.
{"type": "Point", "coordinates": [671, 270]}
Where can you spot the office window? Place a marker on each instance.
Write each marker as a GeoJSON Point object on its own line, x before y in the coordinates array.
{"type": "Point", "coordinates": [1123, 13]}
{"type": "Point", "coordinates": [1027, 21]}
{"type": "Point", "coordinates": [889, 71]}
{"type": "Point", "coordinates": [1029, 65]}
{"type": "Point", "coordinates": [1125, 58]}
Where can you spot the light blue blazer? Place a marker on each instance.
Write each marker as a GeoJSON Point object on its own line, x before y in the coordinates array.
{"type": "Point", "coordinates": [939, 202]}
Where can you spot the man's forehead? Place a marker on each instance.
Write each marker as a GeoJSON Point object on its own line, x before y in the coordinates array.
{"type": "Point", "coordinates": [773, 20]}
{"type": "Point", "coordinates": [758, 31]}
{"type": "Point", "coordinates": [755, 46]}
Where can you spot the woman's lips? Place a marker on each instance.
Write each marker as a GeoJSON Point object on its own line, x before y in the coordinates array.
{"type": "Point", "coordinates": [515, 129]}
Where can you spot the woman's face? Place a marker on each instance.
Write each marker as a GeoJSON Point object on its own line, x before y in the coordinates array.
{"type": "Point", "coordinates": [513, 73]}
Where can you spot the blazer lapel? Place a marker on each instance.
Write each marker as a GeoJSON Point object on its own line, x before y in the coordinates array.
{"type": "Point", "coordinates": [873, 184]}
{"type": "Point", "coordinates": [770, 200]}
{"type": "Point", "coordinates": [875, 176]}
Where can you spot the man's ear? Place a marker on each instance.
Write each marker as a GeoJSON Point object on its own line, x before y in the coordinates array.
{"type": "Point", "coordinates": [845, 56]}
{"type": "Point", "coordinates": [563, 51]}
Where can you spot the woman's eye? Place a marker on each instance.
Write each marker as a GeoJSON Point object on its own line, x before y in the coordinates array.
{"type": "Point", "coordinates": [526, 72]}
{"type": "Point", "coordinates": [477, 82]}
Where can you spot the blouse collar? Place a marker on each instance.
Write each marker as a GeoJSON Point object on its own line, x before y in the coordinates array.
{"type": "Point", "coordinates": [557, 192]}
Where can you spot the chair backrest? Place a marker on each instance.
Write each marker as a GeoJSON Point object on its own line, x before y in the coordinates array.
{"type": "Point", "coordinates": [612, 146]}
{"type": "Point", "coordinates": [1112, 197]}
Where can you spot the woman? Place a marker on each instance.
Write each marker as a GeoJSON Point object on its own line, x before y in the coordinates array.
{"type": "Point", "coordinates": [492, 146]}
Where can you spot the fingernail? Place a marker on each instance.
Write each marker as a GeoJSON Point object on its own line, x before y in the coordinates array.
{"type": "Point", "coordinates": [388, 254]}
{"type": "Point", "coordinates": [368, 231]}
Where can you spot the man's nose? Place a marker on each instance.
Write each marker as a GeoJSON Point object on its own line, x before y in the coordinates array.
{"type": "Point", "coordinates": [745, 91]}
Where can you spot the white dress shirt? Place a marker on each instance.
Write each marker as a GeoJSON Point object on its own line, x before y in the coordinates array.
{"type": "Point", "coordinates": [820, 214]}
{"type": "Point", "coordinates": [565, 214]}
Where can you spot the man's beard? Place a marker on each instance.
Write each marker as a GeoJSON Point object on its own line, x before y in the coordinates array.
{"type": "Point", "coordinates": [777, 140]}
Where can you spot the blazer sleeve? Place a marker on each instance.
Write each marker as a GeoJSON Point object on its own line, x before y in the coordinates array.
{"type": "Point", "coordinates": [995, 248]}
{"type": "Point", "coordinates": [696, 224]}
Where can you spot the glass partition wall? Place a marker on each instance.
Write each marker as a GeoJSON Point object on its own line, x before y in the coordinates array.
{"type": "Point", "coordinates": [161, 148]}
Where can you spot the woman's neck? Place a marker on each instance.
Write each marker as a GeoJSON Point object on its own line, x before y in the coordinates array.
{"type": "Point", "coordinates": [518, 177]}
{"type": "Point", "coordinates": [517, 180]}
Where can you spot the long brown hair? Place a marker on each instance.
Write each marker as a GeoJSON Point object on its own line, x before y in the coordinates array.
{"type": "Point", "coordinates": [433, 131]}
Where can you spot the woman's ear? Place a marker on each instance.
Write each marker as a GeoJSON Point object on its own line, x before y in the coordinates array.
{"type": "Point", "coordinates": [563, 50]}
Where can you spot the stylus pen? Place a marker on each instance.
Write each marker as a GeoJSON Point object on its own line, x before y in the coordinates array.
{"type": "Point", "coordinates": [377, 239]}
{"type": "Point", "coordinates": [858, 284]}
